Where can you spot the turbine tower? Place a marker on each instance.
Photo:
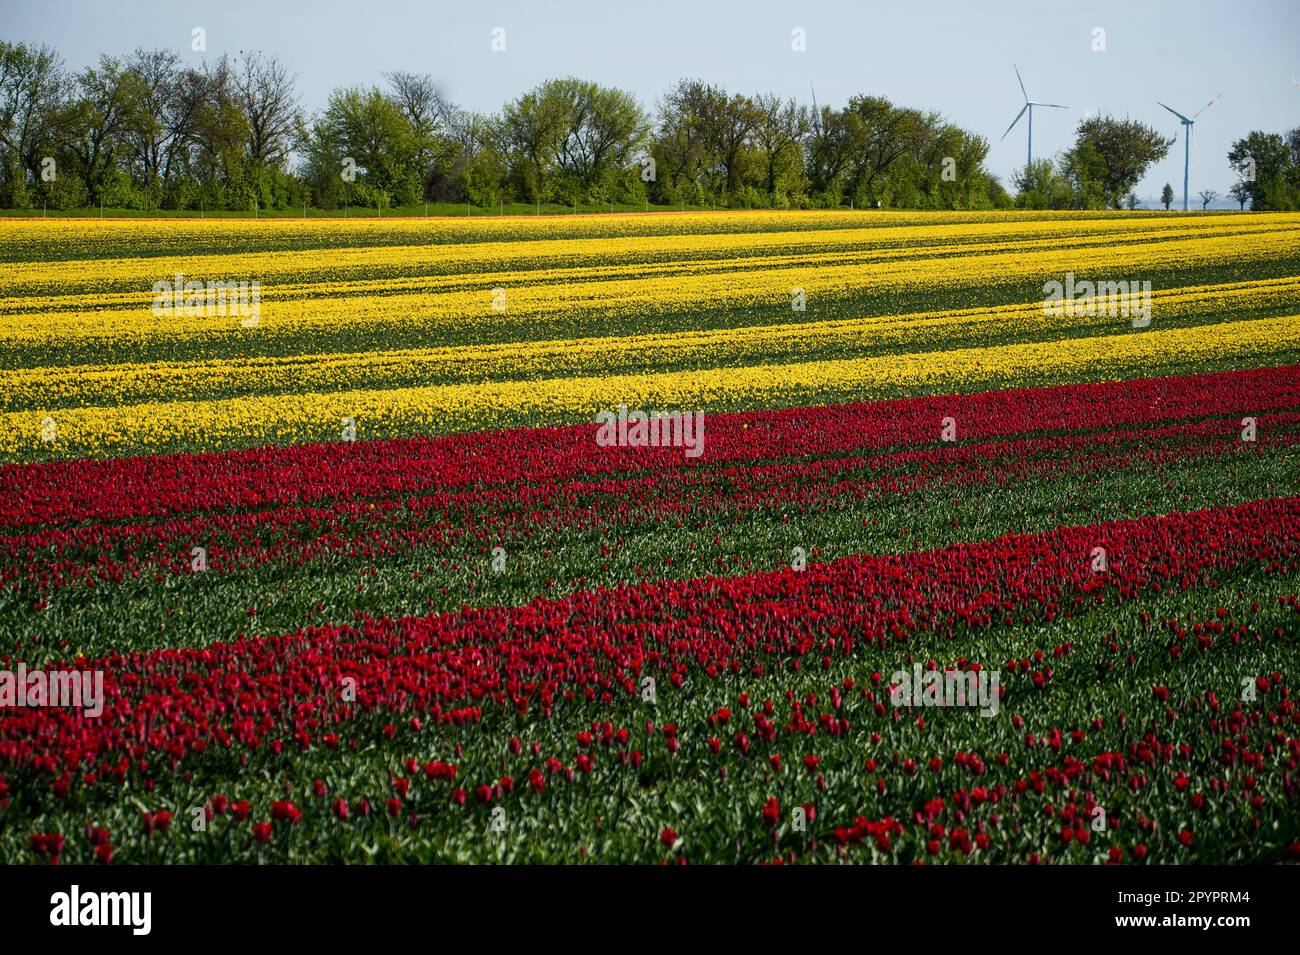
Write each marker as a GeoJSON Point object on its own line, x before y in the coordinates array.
{"type": "Point", "coordinates": [1028, 107]}
{"type": "Point", "coordinates": [1189, 134]}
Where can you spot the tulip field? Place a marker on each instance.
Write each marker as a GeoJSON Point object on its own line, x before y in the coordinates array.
{"type": "Point", "coordinates": [364, 585]}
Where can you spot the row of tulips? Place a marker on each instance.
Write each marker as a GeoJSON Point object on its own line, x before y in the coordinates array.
{"type": "Point", "coordinates": [464, 523]}
{"type": "Point", "coordinates": [76, 491]}
{"type": "Point", "coordinates": [292, 689]}
{"type": "Point", "coordinates": [527, 733]}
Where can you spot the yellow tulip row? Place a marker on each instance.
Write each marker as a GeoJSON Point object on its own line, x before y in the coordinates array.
{"type": "Point", "coordinates": [288, 418]}
{"type": "Point", "coordinates": [186, 380]}
{"type": "Point", "coordinates": [78, 286]}
{"type": "Point", "coordinates": [153, 235]}
{"type": "Point", "coordinates": [529, 295]}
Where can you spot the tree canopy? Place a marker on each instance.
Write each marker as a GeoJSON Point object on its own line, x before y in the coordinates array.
{"type": "Point", "coordinates": [147, 131]}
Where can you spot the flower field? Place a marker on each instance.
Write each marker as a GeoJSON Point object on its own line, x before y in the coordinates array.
{"type": "Point", "coordinates": [363, 584]}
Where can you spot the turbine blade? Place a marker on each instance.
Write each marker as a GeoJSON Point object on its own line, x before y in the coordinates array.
{"type": "Point", "coordinates": [1016, 120]}
{"type": "Point", "coordinates": [1196, 149]}
{"type": "Point", "coordinates": [1206, 106]}
{"type": "Point", "coordinates": [1175, 112]}
{"type": "Point", "coordinates": [1053, 105]}
{"type": "Point", "coordinates": [1021, 82]}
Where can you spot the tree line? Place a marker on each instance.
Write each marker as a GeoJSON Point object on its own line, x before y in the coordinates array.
{"type": "Point", "coordinates": [1111, 156]}
{"type": "Point", "coordinates": [147, 131]}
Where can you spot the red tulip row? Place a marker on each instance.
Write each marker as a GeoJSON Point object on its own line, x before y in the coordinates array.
{"type": "Point", "coordinates": [473, 517]}
{"type": "Point", "coordinates": [297, 535]}
{"type": "Point", "coordinates": [45, 495]}
{"type": "Point", "coordinates": [953, 802]}
{"type": "Point", "coordinates": [296, 690]}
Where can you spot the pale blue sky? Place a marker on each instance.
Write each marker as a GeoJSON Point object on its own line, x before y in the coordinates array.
{"type": "Point", "coordinates": [947, 55]}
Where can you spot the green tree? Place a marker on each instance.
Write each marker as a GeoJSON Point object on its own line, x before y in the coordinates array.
{"type": "Point", "coordinates": [1167, 195]}
{"type": "Point", "coordinates": [572, 139]}
{"type": "Point", "coordinates": [149, 129]}
{"type": "Point", "coordinates": [782, 127]}
{"type": "Point", "coordinates": [1084, 168]}
{"type": "Point", "coordinates": [263, 91]}
{"type": "Point", "coordinates": [946, 171]}
{"type": "Point", "coordinates": [1267, 165]}
{"type": "Point", "coordinates": [224, 171]}
{"type": "Point", "coordinates": [95, 121]}
{"type": "Point", "coordinates": [880, 134]}
{"type": "Point", "coordinates": [363, 151]}
{"type": "Point", "coordinates": [532, 125]}
{"type": "Point", "coordinates": [33, 94]}
{"type": "Point", "coordinates": [730, 136]}
{"type": "Point", "coordinates": [602, 129]}
{"type": "Point", "coordinates": [487, 165]}
{"type": "Point", "coordinates": [680, 146]}
{"type": "Point", "coordinates": [997, 195]}
{"type": "Point", "coordinates": [430, 115]}
{"type": "Point", "coordinates": [1115, 154]}
{"type": "Point", "coordinates": [1042, 186]}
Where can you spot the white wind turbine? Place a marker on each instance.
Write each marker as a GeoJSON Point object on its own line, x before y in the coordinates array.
{"type": "Point", "coordinates": [1189, 138]}
{"type": "Point", "coordinates": [1028, 108]}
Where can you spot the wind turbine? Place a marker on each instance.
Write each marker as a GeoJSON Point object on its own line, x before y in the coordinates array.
{"type": "Point", "coordinates": [1188, 134]}
{"type": "Point", "coordinates": [1028, 107]}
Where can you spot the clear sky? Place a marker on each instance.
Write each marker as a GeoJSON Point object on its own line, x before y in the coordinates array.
{"type": "Point", "coordinates": [947, 55]}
